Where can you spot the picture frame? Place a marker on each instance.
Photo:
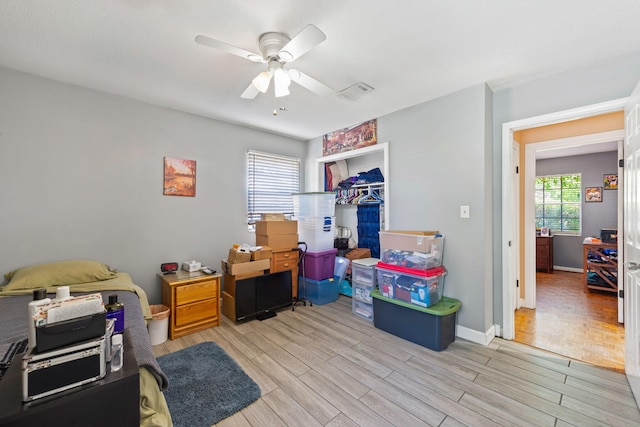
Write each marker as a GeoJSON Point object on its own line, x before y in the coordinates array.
{"type": "Point", "coordinates": [179, 177]}
{"type": "Point", "coordinates": [593, 194]}
{"type": "Point", "coordinates": [544, 232]}
{"type": "Point", "coordinates": [610, 181]}
{"type": "Point", "coordinates": [350, 138]}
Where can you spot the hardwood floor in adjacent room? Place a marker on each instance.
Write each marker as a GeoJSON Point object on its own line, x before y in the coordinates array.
{"type": "Point", "coordinates": [324, 366]}
{"type": "Point", "coordinates": [576, 324]}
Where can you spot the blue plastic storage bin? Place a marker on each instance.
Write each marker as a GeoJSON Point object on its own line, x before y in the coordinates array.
{"type": "Point", "coordinates": [319, 292]}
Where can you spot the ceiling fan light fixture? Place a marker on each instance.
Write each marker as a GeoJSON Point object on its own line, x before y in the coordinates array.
{"type": "Point", "coordinates": [282, 81]}
{"type": "Point", "coordinates": [261, 82]}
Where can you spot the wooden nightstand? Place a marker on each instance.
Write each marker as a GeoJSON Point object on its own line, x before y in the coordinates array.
{"type": "Point", "coordinates": [544, 254]}
{"type": "Point", "coordinates": [194, 299]}
{"type": "Point", "coordinates": [283, 260]}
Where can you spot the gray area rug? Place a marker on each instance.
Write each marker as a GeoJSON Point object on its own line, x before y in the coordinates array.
{"type": "Point", "coordinates": [205, 385]}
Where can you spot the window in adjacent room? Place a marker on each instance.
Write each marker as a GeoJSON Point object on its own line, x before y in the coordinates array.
{"type": "Point", "coordinates": [271, 179]}
{"type": "Point", "coordinates": [558, 203]}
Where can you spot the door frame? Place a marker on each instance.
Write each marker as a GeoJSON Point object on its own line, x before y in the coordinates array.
{"type": "Point", "coordinates": [511, 252]}
{"type": "Point", "coordinates": [529, 200]}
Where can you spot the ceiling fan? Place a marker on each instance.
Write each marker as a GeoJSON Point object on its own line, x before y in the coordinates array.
{"type": "Point", "coordinates": [277, 50]}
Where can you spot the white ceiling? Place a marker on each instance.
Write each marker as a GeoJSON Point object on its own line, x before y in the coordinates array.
{"type": "Point", "coordinates": [410, 51]}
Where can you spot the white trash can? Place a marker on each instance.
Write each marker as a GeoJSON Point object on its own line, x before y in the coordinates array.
{"type": "Point", "coordinates": [159, 325]}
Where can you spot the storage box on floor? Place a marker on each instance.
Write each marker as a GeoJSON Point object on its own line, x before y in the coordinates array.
{"type": "Point", "coordinates": [363, 282]}
{"type": "Point", "coordinates": [420, 287]}
{"type": "Point", "coordinates": [240, 271]}
{"type": "Point", "coordinates": [420, 250]}
{"type": "Point", "coordinates": [433, 327]}
{"type": "Point", "coordinates": [319, 292]}
{"type": "Point", "coordinates": [319, 265]}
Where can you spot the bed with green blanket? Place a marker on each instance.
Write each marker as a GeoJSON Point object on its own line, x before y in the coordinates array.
{"type": "Point", "coordinates": [85, 276]}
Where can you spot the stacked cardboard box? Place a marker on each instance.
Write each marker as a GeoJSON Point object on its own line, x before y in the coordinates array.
{"type": "Point", "coordinates": [277, 234]}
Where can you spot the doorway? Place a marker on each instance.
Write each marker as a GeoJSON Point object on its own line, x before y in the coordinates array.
{"type": "Point", "coordinates": [557, 314]}
{"type": "Point", "coordinates": [512, 219]}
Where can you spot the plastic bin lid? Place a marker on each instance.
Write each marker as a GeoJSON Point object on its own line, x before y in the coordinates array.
{"type": "Point", "coordinates": [443, 307]}
{"type": "Point", "coordinates": [432, 272]}
{"type": "Point", "coordinates": [367, 262]}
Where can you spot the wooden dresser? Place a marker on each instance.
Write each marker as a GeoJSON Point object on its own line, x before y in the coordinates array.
{"type": "Point", "coordinates": [194, 299]}
{"type": "Point", "coordinates": [283, 260]}
{"type": "Point", "coordinates": [544, 254]}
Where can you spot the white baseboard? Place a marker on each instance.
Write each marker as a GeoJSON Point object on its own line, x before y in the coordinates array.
{"type": "Point", "coordinates": [634, 382]}
{"type": "Point", "coordinates": [571, 269]}
{"type": "Point", "coordinates": [472, 335]}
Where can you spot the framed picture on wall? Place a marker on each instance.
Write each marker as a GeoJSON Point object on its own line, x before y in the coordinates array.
{"type": "Point", "coordinates": [593, 194]}
{"type": "Point", "coordinates": [610, 181]}
{"type": "Point", "coordinates": [179, 177]}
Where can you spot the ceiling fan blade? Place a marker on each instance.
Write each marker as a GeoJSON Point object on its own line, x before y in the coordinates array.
{"type": "Point", "coordinates": [310, 83]}
{"type": "Point", "coordinates": [302, 43]}
{"type": "Point", "coordinates": [250, 92]}
{"type": "Point", "coordinates": [225, 47]}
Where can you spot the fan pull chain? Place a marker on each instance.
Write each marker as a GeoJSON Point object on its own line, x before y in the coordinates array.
{"type": "Point", "coordinates": [275, 111]}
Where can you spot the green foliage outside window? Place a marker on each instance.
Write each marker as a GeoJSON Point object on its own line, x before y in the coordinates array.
{"type": "Point", "coordinates": [558, 203]}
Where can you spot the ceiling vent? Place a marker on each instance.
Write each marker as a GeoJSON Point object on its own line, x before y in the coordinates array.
{"type": "Point", "coordinates": [355, 91]}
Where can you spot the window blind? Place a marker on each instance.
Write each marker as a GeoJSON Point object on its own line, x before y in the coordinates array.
{"type": "Point", "coordinates": [271, 179]}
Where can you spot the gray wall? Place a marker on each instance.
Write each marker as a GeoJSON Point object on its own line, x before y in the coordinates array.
{"type": "Point", "coordinates": [604, 81]}
{"type": "Point", "coordinates": [440, 159]}
{"type": "Point", "coordinates": [567, 250]}
{"type": "Point", "coordinates": [82, 178]}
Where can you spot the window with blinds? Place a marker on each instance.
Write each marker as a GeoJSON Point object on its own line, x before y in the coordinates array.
{"type": "Point", "coordinates": [271, 179]}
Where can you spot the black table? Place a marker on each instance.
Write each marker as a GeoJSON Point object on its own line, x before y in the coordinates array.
{"type": "Point", "coordinates": [111, 401]}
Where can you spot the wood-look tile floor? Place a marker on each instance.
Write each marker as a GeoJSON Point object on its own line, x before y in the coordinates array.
{"type": "Point", "coordinates": [324, 366]}
{"type": "Point", "coordinates": [571, 322]}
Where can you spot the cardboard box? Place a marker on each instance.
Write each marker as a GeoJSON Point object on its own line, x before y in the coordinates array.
{"type": "Point", "coordinates": [230, 280]}
{"type": "Point", "coordinates": [237, 257]}
{"type": "Point", "coordinates": [228, 306]}
{"type": "Point", "coordinates": [268, 228]}
{"type": "Point", "coordinates": [278, 241]}
{"type": "Point", "coordinates": [264, 253]}
{"type": "Point", "coordinates": [272, 216]}
{"type": "Point", "coordinates": [245, 267]}
{"type": "Point", "coordinates": [357, 253]}
{"type": "Point", "coordinates": [420, 250]}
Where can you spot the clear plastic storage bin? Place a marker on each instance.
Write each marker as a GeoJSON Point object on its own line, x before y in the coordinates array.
{"type": "Point", "coordinates": [318, 232]}
{"type": "Point", "coordinates": [363, 271]}
{"type": "Point", "coordinates": [314, 204]}
{"type": "Point", "coordinates": [411, 249]}
{"type": "Point", "coordinates": [319, 292]}
{"type": "Point", "coordinates": [423, 288]}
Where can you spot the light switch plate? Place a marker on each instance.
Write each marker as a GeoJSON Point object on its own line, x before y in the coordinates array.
{"type": "Point", "coordinates": [464, 211]}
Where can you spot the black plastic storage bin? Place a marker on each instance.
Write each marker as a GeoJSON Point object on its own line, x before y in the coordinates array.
{"type": "Point", "coordinates": [433, 327]}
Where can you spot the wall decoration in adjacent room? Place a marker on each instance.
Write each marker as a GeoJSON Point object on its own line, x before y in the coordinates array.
{"type": "Point", "coordinates": [593, 194]}
{"type": "Point", "coordinates": [610, 182]}
{"type": "Point", "coordinates": [179, 177]}
{"type": "Point", "coordinates": [350, 138]}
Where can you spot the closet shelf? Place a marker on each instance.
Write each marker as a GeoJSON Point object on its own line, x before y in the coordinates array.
{"type": "Point", "coordinates": [370, 194]}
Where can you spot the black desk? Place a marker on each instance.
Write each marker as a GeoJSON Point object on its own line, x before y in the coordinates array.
{"type": "Point", "coordinates": [111, 401]}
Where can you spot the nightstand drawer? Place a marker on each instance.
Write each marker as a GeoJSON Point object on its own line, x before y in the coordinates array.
{"type": "Point", "coordinates": [289, 256]}
{"type": "Point", "coordinates": [285, 264]}
{"type": "Point", "coordinates": [186, 294]}
{"type": "Point", "coordinates": [195, 312]}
